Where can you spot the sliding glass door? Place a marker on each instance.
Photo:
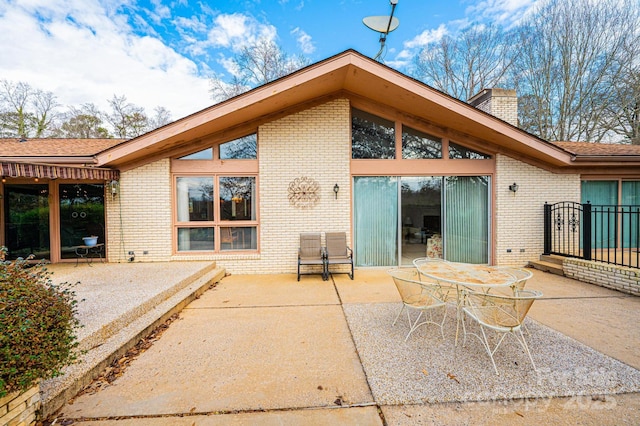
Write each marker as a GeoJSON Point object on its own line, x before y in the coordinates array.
{"type": "Point", "coordinates": [466, 236]}
{"type": "Point", "coordinates": [27, 221]}
{"type": "Point", "coordinates": [398, 219]}
{"type": "Point", "coordinates": [376, 220]}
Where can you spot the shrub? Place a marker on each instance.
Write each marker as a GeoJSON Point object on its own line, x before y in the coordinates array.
{"type": "Point", "coordinates": [38, 325]}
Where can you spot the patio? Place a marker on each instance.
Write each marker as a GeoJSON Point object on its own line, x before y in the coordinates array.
{"type": "Point", "coordinates": [267, 342]}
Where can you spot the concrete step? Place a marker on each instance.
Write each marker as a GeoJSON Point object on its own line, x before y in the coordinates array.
{"type": "Point", "coordinates": [552, 258]}
{"type": "Point", "coordinates": [98, 337]}
{"type": "Point", "coordinates": [545, 266]}
{"type": "Point", "coordinates": [137, 325]}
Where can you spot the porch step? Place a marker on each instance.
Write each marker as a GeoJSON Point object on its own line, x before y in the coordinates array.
{"type": "Point", "coordinates": [552, 258]}
{"type": "Point", "coordinates": [125, 333]}
{"type": "Point", "coordinates": [547, 266]}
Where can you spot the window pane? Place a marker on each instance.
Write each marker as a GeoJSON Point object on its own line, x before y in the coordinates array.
{"type": "Point", "coordinates": [418, 145]}
{"type": "Point", "coordinates": [236, 198]}
{"type": "Point", "coordinates": [81, 215]}
{"type": "Point", "coordinates": [371, 136]}
{"type": "Point", "coordinates": [194, 198]}
{"type": "Point", "coordinates": [238, 238]}
{"type": "Point", "coordinates": [205, 154]}
{"type": "Point", "coordinates": [466, 235]}
{"type": "Point", "coordinates": [461, 152]}
{"type": "Point", "coordinates": [241, 148]}
{"type": "Point", "coordinates": [376, 220]}
{"type": "Point", "coordinates": [195, 239]}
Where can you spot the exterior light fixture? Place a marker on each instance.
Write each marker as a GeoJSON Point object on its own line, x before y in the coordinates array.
{"type": "Point", "coordinates": [114, 186]}
{"type": "Point", "coordinates": [336, 188]}
{"type": "Point", "coordinates": [513, 188]}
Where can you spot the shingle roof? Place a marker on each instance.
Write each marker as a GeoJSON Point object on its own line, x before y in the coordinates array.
{"type": "Point", "coordinates": [599, 149]}
{"type": "Point", "coordinates": [50, 147]}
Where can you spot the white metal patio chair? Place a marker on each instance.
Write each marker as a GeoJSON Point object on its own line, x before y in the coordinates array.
{"type": "Point", "coordinates": [418, 296]}
{"type": "Point", "coordinates": [503, 314]}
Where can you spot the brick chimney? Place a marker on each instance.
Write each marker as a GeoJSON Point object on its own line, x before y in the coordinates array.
{"type": "Point", "coordinates": [501, 103]}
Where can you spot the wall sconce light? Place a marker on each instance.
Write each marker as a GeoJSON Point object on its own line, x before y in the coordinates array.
{"type": "Point", "coordinates": [336, 188]}
{"type": "Point", "coordinates": [114, 186]}
{"type": "Point", "coordinates": [513, 188]}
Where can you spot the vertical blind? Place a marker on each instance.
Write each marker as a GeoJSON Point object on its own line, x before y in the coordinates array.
{"type": "Point", "coordinates": [376, 220]}
{"type": "Point", "coordinates": [466, 236]}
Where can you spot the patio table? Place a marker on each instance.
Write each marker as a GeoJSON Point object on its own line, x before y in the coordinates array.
{"type": "Point", "coordinates": [464, 275]}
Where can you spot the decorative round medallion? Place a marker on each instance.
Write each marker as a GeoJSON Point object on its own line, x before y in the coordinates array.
{"type": "Point", "coordinates": [303, 192]}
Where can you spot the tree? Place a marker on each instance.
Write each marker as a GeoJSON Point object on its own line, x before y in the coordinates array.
{"type": "Point", "coordinates": [478, 57]}
{"type": "Point", "coordinates": [127, 119]}
{"type": "Point", "coordinates": [161, 118]}
{"type": "Point", "coordinates": [570, 54]}
{"type": "Point", "coordinates": [255, 65]}
{"type": "Point", "coordinates": [25, 111]}
{"type": "Point", "coordinates": [84, 122]}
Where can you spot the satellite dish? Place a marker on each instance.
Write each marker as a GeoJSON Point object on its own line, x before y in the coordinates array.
{"type": "Point", "coordinates": [381, 24]}
{"type": "Point", "coordinates": [384, 25]}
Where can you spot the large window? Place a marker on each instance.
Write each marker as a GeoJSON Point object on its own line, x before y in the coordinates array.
{"type": "Point", "coordinates": [419, 145]}
{"type": "Point", "coordinates": [372, 136]}
{"type": "Point", "coordinates": [206, 208]}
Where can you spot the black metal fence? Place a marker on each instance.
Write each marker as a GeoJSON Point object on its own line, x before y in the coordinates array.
{"type": "Point", "coordinates": [593, 232]}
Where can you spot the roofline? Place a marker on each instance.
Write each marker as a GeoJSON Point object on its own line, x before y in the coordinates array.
{"type": "Point", "coordinates": [52, 159]}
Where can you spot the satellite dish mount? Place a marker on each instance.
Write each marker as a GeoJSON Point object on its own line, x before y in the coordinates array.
{"type": "Point", "coordinates": [384, 25]}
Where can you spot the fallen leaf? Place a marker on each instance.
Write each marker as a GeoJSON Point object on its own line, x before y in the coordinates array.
{"type": "Point", "coordinates": [452, 377]}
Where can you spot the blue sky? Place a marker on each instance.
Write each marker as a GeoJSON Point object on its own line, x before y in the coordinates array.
{"type": "Point", "coordinates": [163, 53]}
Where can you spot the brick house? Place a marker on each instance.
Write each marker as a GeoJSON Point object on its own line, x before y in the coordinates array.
{"type": "Point", "coordinates": [346, 144]}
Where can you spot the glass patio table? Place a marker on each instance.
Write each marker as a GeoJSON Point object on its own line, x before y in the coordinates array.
{"type": "Point", "coordinates": [464, 275]}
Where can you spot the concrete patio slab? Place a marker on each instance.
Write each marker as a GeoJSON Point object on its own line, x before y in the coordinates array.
{"type": "Point", "coordinates": [268, 290]}
{"type": "Point", "coordinates": [367, 286]}
{"type": "Point", "coordinates": [596, 316]}
{"type": "Point", "coordinates": [614, 410]}
{"type": "Point", "coordinates": [329, 416]}
{"type": "Point", "coordinates": [260, 358]}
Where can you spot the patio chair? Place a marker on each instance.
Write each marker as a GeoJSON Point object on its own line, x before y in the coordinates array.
{"type": "Point", "coordinates": [311, 253]}
{"type": "Point", "coordinates": [418, 296]}
{"type": "Point", "coordinates": [503, 314]}
{"type": "Point", "coordinates": [338, 253]}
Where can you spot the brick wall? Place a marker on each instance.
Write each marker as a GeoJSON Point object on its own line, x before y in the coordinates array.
{"type": "Point", "coordinates": [520, 220]}
{"type": "Point", "coordinates": [139, 217]}
{"type": "Point", "coordinates": [311, 143]}
{"type": "Point", "coordinates": [626, 280]}
{"type": "Point", "coordinates": [19, 409]}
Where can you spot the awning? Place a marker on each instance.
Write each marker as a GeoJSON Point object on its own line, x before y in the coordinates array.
{"type": "Point", "coordinates": [31, 170]}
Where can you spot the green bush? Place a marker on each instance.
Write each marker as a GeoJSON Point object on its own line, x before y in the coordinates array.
{"type": "Point", "coordinates": [38, 325]}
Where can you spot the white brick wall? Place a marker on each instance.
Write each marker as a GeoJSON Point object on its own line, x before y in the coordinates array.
{"type": "Point", "coordinates": [519, 216]}
{"type": "Point", "coordinates": [139, 217]}
{"type": "Point", "coordinates": [626, 280]}
{"type": "Point", "coordinates": [311, 143]}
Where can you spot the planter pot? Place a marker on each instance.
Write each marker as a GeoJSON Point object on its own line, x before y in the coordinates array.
{"type": "Point", "coordinates": [90, 241]}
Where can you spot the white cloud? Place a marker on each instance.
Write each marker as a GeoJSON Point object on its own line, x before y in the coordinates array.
{"type": "Point", "coordinates": [426, 37]}
{"type": "Point", "coordinates": [84, 53]}
{"type": "Point", "coordinates": [502, 12]}
{"type": "Point", "coordinates": [236, 30]}
{"type": "Point", "coordinates": [304, 41]}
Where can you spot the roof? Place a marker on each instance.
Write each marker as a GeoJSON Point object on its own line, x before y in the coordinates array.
{"type": "Point", "coordinates": [599, 149]}
{"type": "Point", "coordinates": [346, 75]}
{"type": "Point", "coordinates": [55, 147]}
